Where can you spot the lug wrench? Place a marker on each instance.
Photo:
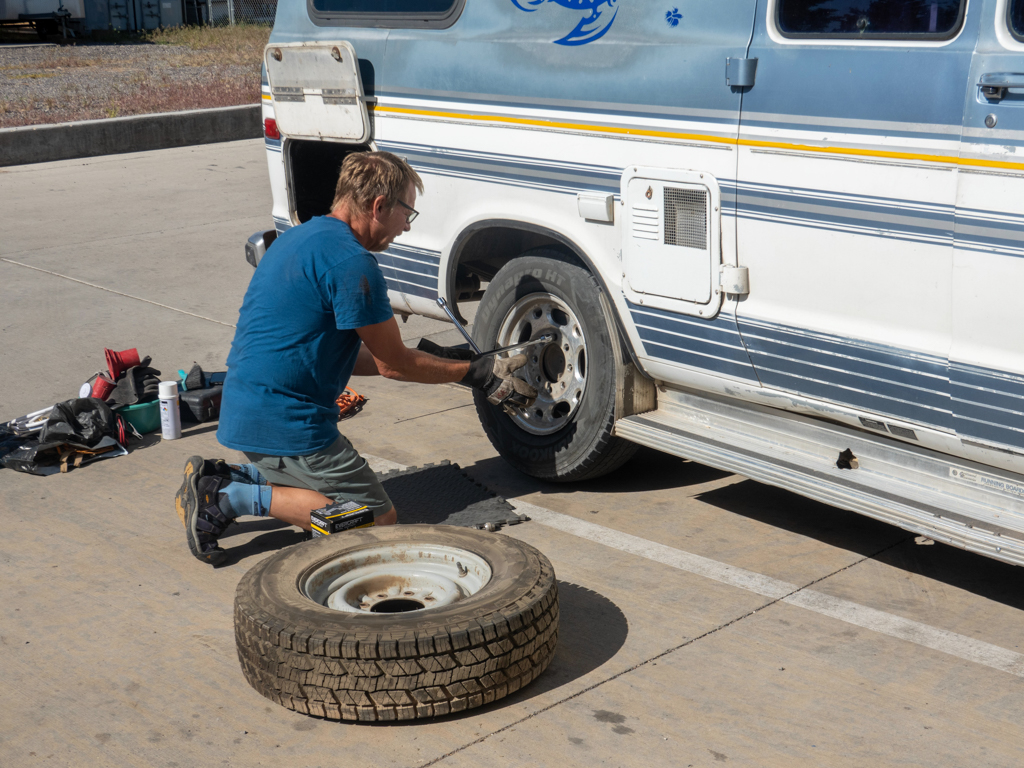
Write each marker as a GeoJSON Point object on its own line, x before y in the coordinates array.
{"type": "Point", "coordinates": [544, 338]}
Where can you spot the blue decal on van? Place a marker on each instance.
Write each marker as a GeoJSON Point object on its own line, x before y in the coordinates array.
{"type": "Point", "coordinates": [591, 27]}
{"type": "Point", "coordinates": [673, 17]}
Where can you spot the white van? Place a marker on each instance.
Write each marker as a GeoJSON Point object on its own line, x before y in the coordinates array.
{"type": "Point", "coordinates": [784, 238]}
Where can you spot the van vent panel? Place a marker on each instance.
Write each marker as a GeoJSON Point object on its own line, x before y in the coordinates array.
{"type": "Point", "coordinates": [645, 222]}
{"type": "Point", "coordinates": [686, 217]}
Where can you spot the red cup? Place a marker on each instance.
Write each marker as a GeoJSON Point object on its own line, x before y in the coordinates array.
{"type": "Point", "coordinates": [102, 387]}
{"type": "Point", "coordinates": [119, 362]}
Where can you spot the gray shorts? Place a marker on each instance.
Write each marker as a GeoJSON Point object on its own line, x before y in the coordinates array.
{"type": "Point", "coordinates": [338, 472]}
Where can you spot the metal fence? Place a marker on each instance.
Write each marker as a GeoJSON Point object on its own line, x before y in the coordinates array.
{"type": "Point", "coordinates": [230, 11]}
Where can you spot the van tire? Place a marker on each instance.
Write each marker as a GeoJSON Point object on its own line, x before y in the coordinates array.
{"type": "Point", "coordinates": [372, 667]}
{"type": "Point", "coordinates": [585, 447]}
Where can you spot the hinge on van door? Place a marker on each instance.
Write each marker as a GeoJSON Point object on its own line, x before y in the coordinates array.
{"type": "Point", "coordinates": [735, 280]}
{"type": "Point", "coordinates": [739, 73]}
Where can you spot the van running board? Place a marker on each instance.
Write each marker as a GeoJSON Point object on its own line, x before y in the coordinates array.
{"type": "Point", "coordinates": [944, 498]}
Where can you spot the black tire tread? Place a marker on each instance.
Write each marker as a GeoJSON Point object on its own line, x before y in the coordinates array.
{"type": "Point", "coordinates": [397, 675]}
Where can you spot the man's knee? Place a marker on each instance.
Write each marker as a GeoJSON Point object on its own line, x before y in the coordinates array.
{"type": "Point", "coordinates": [388, 518]}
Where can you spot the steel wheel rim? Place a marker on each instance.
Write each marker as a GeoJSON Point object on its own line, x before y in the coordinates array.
{"type": "Point", "coordinates": [395, 578]}
{"type": "Point", "coordinates": [558, 369]}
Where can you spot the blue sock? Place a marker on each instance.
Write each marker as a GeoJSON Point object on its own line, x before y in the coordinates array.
{"type": "Point", "coordinates": [247, 499]}
{"type": "Point", "coordinates": [247, 473]}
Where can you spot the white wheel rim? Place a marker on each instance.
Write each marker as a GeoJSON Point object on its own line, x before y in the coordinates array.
{"type": "Point", "coordinates": [558, 369]}
{"type": "Point", "coordinates": [396, 578]}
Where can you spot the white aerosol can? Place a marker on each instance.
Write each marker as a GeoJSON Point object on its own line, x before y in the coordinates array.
{"type": "Point", "coordinates": [170, 410]}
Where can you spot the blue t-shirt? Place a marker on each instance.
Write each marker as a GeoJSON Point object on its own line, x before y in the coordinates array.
{"type": "Point", "coordinates": [296, 344]}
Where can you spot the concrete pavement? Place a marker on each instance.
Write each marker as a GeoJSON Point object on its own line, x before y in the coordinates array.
{"type": "Point", "coordinates": [116, 646]}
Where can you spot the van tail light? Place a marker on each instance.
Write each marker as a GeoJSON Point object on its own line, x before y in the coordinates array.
{"type": "Point", "coordinates": [270, 129]}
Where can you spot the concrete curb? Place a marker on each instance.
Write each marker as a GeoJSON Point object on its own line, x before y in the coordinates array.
{"type": "Point", "coordinates": [137, 133]}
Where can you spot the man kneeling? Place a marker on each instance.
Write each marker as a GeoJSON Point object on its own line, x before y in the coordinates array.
{"type": "Point", "coordinates": [317, 312]}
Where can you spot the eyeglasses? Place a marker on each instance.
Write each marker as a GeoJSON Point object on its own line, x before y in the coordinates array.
{"type": "Point", "coordinates": [413, 213]}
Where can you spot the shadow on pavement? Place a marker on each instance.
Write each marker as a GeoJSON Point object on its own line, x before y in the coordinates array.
{"type": "Point", "coordinates": [273, 535]}
{"type": "Point", "coordinates": [974, 573]}
{"type": "Point", "coordinates": [805, 517]}
{"type": "Point", "coordinates": [648, 470]}
{"type": "Point", "coordinates": [591, 630]}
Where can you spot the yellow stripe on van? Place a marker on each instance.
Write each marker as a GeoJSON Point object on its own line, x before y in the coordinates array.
{"type": "Point", "coordinates": [266, 97]}
{"type": "Point", "coordinates": [706, 138]}
{"type": "Point", "coordinates": [554, 124]}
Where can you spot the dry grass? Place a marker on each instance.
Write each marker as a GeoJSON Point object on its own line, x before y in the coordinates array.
{"type": "Point", "coordinates": [145, 98]}
{"type": "Point", "coordinates": [241, 44]}
{"type": "Point", "coordinates": [174, 97]}
{"type": "Point", "coordinates": [171, 70]}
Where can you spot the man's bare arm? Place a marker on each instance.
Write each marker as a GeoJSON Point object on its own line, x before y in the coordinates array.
{"type": "Point", "coordinates": [366, 365]}
{"type": "Point", "coordinates": [394, 360]}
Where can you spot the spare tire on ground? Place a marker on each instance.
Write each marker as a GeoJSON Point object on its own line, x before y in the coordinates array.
{"type": "Point", "coordinates": [397, 622]}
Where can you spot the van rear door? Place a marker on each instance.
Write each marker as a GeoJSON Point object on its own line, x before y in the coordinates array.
{"type": "Point", "coordinates": [987, 356]}
{"type": "Point", "coordinates": [317, 91]}
{"type": "Point", "coordinates": [846, 189]}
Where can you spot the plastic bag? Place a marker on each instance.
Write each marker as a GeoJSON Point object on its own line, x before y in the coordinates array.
{"type": "Point", "coordinates": [82, 422]}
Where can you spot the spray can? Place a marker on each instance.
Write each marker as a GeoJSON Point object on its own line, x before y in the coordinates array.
{"type": "Point", "coordinates": [170, 410]}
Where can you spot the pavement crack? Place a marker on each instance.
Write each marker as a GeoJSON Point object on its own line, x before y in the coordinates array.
{"type": "Point", "coordinates": [665, 653]}
{"type": "Point", "coordinates": [118, 293]}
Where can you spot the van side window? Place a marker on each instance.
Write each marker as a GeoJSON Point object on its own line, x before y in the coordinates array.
{"type": "Point", "coordinates": [1015, 17]}
{"type": "Point", "coordinates": [383, 7]}
{"type": "Point", "coordinates": [871, 19]}
{"type": "Point", "coordinates": [386, 13]}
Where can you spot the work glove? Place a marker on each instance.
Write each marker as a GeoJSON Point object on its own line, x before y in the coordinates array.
{"type": "Point", "coordinates": [139, 384]}
{"type": "Point", "coordinates": [494, 376]}
{"type": "Point", "coordinates": [448, 353]}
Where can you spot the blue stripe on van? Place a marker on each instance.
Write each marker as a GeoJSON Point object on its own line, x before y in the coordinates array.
{"type": "Point", "coordinates": [978, 231]}
{"type": "Point", "coordinates": [410, 270]}
{"type": "Point", "coordinates": [978, 403]}
{"type": "Point", "coordinates": [509, 169]}
{"type": "Point", "coordinates": [871, 216]}
{"type": "Point", "coordinates": [872, 377]}
{"type": "Point", "coordinates": [988, 405]}
{"type": "Point", "coordinates": [712, 345]}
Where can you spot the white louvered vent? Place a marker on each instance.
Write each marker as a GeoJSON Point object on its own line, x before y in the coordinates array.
{"type": "Point", "coordinates": [686, 217]}
{"type": "Point", "coordinates": [645, 222]}
{"type": "Point", "coordinates": [671, 244]}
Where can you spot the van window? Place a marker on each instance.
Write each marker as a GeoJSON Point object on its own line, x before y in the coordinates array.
{"type": "Point", "coordinates": [1016, 18]}
{"type": "Point", "coordinates": [871, 19]}
{"type": "Point", "coordinates": [384, 7]}
{"type": "Point", "coordinates": [387, 14]}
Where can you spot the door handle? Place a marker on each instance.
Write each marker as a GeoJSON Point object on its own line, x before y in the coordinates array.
{"type": "Point", "coordinates": [994, 85]}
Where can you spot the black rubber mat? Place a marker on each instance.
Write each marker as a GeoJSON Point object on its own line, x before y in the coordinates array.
{"type": "Point", "coordinates": [442, 494]}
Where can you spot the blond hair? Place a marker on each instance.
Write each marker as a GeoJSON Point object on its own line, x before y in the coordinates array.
{"type": "Point", "coordinates": [365, 176]}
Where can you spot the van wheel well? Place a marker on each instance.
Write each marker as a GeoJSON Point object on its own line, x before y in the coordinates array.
{"type": "Point", "coordinates": [485, 248]}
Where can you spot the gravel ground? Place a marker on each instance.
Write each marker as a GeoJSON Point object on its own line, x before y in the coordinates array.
{"type": "Point", "coordinates": [53, 84]}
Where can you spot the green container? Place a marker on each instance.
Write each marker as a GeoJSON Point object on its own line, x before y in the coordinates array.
{"type": "Point", "coordinates": [145, 417]}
